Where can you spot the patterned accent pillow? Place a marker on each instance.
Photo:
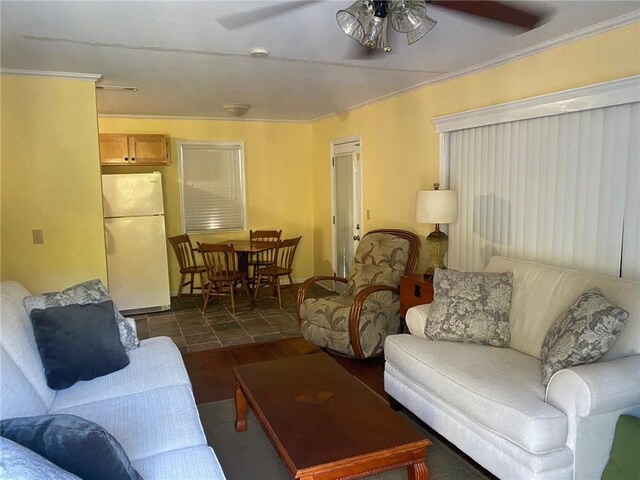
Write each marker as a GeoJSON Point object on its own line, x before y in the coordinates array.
{"type": "Point", "coordinates": [470, 307]}
{"type": "Point", "coordinates": [582, 334]}
{"type": "Point", "coordinates": [83, 293]}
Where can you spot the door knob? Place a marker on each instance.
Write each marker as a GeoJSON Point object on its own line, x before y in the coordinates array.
{"type": "Point", "coordinates": [356, 237]}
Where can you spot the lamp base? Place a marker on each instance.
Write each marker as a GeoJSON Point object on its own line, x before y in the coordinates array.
{"type": "Point", "coordinates": [437, 245]}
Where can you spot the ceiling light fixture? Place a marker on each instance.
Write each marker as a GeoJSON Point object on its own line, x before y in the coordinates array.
{"type": "Point", "coordinates": [117, 88]}
{"type": "Point", "coordinates": [237, 109]}
{"type": "Point", "coordinates": [366, 21]}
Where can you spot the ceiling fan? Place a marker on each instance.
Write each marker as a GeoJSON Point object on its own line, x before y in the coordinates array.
{"type": "Point", "coordinates": [366, 21]}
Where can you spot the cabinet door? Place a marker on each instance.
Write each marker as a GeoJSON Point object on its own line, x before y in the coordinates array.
{"type": "Point", "coordinates": [148, 150]}
{"type": "Point", "coordinates": [114, 149]}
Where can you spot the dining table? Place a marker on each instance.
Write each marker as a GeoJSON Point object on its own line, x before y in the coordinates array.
{"type": "Point", "coordinates": [244, 249]}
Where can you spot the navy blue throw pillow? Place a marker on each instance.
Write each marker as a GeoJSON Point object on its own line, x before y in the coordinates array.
{"type": "Point", "coordinates": [78, 342]}
{"type": "Point", "coordinates": [72, 443]}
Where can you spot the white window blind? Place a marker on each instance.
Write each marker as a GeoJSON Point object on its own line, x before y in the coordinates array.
{"type": "Point", "coordinates": [212, 183]}
{"type": "Point", "coordinates": [560, 189]}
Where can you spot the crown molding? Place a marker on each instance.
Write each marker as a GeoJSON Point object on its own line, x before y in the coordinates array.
{"type": "Point", "coordinates": [90, 77]}
{"type": "Point", "coordinates": [217, 119]}
{"type": "Point", "coordinates": [587, 32]}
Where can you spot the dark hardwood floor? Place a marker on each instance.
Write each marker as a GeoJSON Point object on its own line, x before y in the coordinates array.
{"type": "Point", "coordinates": [212, 376]}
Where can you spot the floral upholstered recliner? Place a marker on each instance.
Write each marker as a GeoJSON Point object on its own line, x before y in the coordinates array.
{"type": "Point", "coordinates": [357, 322]}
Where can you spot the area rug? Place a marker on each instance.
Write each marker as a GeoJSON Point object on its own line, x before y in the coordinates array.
{"type": "Point", "coordinates": [250, 455]}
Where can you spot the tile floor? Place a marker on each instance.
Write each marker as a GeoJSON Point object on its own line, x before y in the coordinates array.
{"type": "Point", "coordinates": [218, 327]}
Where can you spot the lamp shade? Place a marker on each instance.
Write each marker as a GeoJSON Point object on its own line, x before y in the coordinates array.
{"type": "Point", "coordinates": [436, 206]}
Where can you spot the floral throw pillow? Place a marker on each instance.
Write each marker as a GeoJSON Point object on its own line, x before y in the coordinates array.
{"type": "Point", "coordinates": [470, 307]}
{"type": "Point", "coordinates": [92, 291]}
{"type": "Point", "coordinates": [582, 334]}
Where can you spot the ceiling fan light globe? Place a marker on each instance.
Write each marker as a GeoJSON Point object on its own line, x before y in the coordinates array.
{"type": "Point", "coordinates": [407, 15]}
{"type": "Point", "coordinates": [424, 28]}
{"type": "Point", "coordinates": [352, 19]}
{"type": "Point", "coordinates": [376, 34]}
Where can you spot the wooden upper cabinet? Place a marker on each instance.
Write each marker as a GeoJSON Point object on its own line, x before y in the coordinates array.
{"type": "Point", "coordinates": [120, 149]}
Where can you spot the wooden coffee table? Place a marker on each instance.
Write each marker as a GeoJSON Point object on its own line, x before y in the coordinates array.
{"type": "Point", "coordinates": [323, 422]}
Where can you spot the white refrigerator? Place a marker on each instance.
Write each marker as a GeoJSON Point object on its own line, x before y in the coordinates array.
{"type": "Point", "coordinates": [137, 265]}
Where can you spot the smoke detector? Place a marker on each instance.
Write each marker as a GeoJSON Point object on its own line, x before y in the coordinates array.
{"type": "Point", "coordinates": [259, 52]}
{"type": "Point", "coordinates": [237, 109]}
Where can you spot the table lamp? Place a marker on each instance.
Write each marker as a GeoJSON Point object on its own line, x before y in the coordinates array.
{"type": "Point", "coordinates": [436, 207]}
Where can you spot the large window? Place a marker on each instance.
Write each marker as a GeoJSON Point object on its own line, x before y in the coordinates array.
{"type": "Point", "coordinates": [552, 179]}
{"type": "Point", "coordinates": [212, 187]}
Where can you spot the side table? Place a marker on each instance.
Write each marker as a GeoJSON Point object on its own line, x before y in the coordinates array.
{"type": "Point", "coordinates": [415, 289]}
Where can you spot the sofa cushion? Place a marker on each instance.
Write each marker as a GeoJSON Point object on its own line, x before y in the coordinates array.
{"type": "Point", "coordinates": [92, 291]}
{"type": "Point", "coordinates": [72, 443]}
{"type": "Point", "coordinates": [542, 292]}
{"type": "Point", "coordinates": [19, 398]}
{"type": "Point", "coordinates": [147, 423]}
{"type": "Point", "coordinates": [194, 463]}
{"type": "Point", "coordinates": [157, 363]}
{"type": "Point", "coordinates": [582, 334]}
{"type": "Point", "coordinates": [470, 307]}
{"type": "Point", "coordinates": [78, 342]}
{"type": "Point", "coordinates": [18, 462]}
{"type": "Point", "coordinates": [18, 341]}
{"type": "Point", "coordinates": [498, 388]}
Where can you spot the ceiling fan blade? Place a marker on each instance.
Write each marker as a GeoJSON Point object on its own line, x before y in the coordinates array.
{"type": "Point", "coordinates": [242, 19]}
{"type": "Point", "coordinates": [498, 11]}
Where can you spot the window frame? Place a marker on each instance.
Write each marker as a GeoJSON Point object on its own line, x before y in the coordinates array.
{"type": "Point", "coordinates": [216, 144]}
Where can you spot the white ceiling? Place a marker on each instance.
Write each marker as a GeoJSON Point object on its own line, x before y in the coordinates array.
{"type": "Point", "coordinates": [186, 63]}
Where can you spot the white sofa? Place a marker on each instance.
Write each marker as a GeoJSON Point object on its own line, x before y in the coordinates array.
{"type": "Point", "coordinates": [490, 402]}
{"type": "Point", "coordinates": [148, 406]}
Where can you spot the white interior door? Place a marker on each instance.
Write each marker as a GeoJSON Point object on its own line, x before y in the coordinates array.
{"type": "Point", "coordinates": [346, 205]}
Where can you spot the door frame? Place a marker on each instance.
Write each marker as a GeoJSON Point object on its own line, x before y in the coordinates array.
{"type": "Point", "coordinates": [333, 144]}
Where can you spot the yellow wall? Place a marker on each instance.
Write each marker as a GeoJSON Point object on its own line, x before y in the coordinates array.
{"type": "Point", "coordinates": [400, 150]}
{"type": "Point", "coordinates": [50, 181]}
{"type": "Point", "coordinates": [278, 173]}
{"type": "Point", "coordinates": [50, 176]}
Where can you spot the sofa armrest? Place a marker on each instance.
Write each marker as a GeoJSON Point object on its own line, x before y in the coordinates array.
{"type": "Point", "coordinates": [132, 322]}
{"type": "Point", "coordinates": [596, 388]}
{"type": "Point", "coordinates": [416, 319]}
{"type": "Point", "coordinates": [593, 397]}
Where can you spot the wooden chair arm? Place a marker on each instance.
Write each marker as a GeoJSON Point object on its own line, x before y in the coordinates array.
{"type": "Point", "coordinates": [356, 309]}
{"type": "Point", "coordinates": [302, 291]}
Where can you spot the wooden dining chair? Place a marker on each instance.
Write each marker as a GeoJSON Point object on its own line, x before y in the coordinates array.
{"type": "Point", "coordinates": [266, 257]}
{"type": "Point", "coordinates": [283, 260]}
{"type": "Point", "coordinates": [223, 276]}
{"type": "Point", "coordinates": [188, 267]}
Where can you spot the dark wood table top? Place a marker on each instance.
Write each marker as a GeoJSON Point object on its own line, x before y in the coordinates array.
{"type": "Point", "coordinates": [247, 246]}
{"type": "Point", "coordinates": [316, 413]}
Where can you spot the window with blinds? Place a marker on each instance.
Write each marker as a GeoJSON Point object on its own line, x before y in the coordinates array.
{"type": "Point", "coordinates": [212, 187]}
{"type": "Point", "coordinates": [561, 189]}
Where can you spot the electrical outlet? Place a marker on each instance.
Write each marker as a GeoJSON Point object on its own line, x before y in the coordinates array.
{"type": "Point", "coordinates": [38, 236]}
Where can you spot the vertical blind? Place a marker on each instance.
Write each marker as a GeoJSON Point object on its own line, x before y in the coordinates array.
{"type": "Point", "coordinates": [561, 189]}
{"type": "Point", "coordinates": [212, 187]}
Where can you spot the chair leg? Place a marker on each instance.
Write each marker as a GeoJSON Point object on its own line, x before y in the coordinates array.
{"type": "Point", "coordinates": [233, 303]}
{"type": "Point", "coordinates": [193, 282]}
{"type": "Point", "coordinates": [256, 286]}
{"type": "Point", "coordinates": [278, 290]}
{"type": "Point", "coordinates": [181, 285]}
{"type": "Point", "coordinates": [206, 298]}
{"type": "Point", "coordinates": [245, 284]}
{"type": "Point", "coordinates": [202, 285]}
